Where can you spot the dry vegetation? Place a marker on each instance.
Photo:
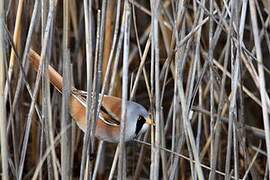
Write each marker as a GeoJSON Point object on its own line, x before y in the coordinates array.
{"type": "Point", "coordinates": [201, 68]}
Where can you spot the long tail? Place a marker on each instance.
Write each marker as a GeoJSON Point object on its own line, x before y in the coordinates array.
{"type": "Point", "coordinates": [77, 108]}
{"type": "Point", "coordinates": [55, 78]}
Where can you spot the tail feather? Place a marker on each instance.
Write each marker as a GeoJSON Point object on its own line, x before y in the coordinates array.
{"type": "Point", "coordinates": [77, 108]}
{"type": "Point", "coordinates": [54, 77]}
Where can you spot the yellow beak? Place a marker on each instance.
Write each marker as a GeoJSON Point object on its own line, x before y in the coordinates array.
{"type": "Point", "coordinates": [150, 121]}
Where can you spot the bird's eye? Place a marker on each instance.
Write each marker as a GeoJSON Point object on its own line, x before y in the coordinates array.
{"type": "Point", "coordinates": [140, 122]}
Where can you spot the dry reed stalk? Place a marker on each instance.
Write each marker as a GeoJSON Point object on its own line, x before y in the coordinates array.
{"type": "Point", "coordinates": [263, 94]}
{"type": "Point", "coordinates": [3, 135]}
{"type": "Point", "coordinates": [204, 83]}
{"type": "Point", "coordinates": [31, 110]}
{"type": "Point", "coordinates": [89, 62]}
{"type": "Point", "coordinates": [66, 172]}
{"type": "Point", "coordinates": [16, 38]}
{"type": "Point", "coordinates": [45, 99]}
{"type": "Point", "coordinates": [122, 149]}
{"type": "Point", "coordinates": [108, 35]}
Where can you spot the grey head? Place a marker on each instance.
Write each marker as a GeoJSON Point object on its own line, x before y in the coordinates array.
{"type": "Point", "coordinates": [138, 120]}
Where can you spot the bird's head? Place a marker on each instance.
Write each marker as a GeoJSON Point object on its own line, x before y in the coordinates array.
{"type": "Point", "coordinates": [140, 119]}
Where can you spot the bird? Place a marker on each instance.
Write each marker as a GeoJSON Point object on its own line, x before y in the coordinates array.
{"type": "Point", "coordinates": [109, 117]}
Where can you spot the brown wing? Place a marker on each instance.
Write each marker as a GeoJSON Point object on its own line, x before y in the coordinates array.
{"type": "Point", "coordinates": [77, 104]}
{"type": "Point", "coordinates": [112, 106]}
{"type": "Point", "coordinates": [106, 113]}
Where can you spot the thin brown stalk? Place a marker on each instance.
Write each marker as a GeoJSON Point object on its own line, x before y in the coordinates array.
{"type": "Point", "coordinates": [16, 37]}
{"type": "Point", "coordinates": [108, 35]}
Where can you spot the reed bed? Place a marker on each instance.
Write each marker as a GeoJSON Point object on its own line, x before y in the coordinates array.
{"type": "Point", "coordinates": [201, 68]}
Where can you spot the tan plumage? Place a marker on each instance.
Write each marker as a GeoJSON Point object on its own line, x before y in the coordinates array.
{"type": "Point", "coordinates": [108, 124]}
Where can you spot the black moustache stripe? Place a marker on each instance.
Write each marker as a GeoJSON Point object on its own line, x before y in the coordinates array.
{"type": "Point", "coordinates": [139, 125]}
